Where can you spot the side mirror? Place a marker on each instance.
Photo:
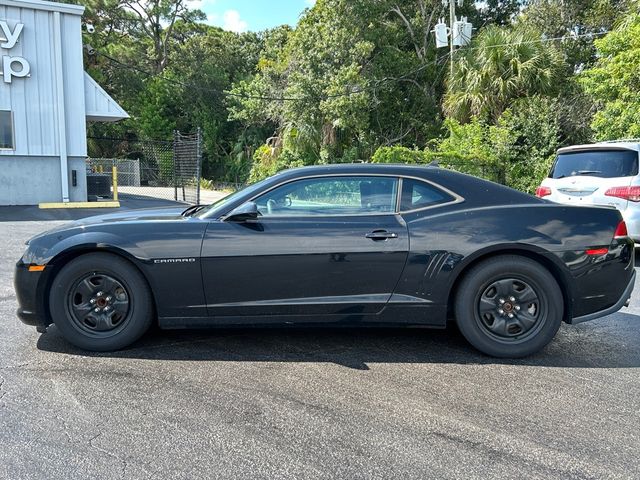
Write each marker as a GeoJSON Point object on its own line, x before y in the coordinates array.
{"type": "Point", "coordinates": [246, 211]}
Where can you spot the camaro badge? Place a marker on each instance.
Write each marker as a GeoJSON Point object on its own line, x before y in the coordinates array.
{"type": "Point", "coordinates": [174, 260]}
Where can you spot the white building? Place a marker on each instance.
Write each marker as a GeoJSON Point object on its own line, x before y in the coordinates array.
{"type": "Point", "coordinates": [43, 113]}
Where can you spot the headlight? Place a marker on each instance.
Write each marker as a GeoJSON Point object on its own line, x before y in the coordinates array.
{"type": "Point", "coordinates": [27, 256]}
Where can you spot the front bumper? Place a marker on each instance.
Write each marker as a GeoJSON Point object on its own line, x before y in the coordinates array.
{"type": "Point", "coordinates": [27, 284]}
{"type": "Point", "coordinates": [622, 302]}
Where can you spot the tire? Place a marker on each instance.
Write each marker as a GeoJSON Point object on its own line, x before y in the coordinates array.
{"type": "Point", "coordinates": [107, 284]}
{"type": "Point", "coordinates": [528, 319]}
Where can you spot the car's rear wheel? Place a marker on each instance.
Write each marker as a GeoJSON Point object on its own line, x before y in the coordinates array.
{"type": "Point", "coordinates": [509, 306]}
{"type": "Point", "coordinates": [100, 302]}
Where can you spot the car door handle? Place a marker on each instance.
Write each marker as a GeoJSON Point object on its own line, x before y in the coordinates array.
{"type": "Point", "coordinates": [381, 235]}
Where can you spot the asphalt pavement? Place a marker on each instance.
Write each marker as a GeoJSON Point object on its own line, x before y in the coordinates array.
{"type": "Point", "coordinates": [280, 403]}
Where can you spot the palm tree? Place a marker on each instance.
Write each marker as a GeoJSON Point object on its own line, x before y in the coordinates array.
{"type": "Point", "coordinates": [501, 66]}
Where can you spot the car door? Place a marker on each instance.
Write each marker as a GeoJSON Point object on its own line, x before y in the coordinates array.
{"type": "Point", "coordinates": [322, 245]}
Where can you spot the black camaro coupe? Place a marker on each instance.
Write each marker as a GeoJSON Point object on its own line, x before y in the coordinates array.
{"type": "Point", "coordinates": [370, 245]}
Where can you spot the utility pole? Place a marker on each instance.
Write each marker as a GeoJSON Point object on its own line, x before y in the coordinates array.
{"type": "Point", "coordinates": [452, 21]}
{"type": "Point", "coordinates": [457, 34]}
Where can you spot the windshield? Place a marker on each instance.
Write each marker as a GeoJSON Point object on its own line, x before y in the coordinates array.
{"type": "Point", "coordinates": [596, 163]}
{"type": "Point", "coordinates": [219, 204]}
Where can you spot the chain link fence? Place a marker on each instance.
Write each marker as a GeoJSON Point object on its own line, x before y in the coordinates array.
{"type": "Point", "coordinates": [147, 169]}
{"type": "Point", "coordinates": [187, 164]}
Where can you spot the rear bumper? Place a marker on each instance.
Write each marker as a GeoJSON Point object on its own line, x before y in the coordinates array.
{"type": "Point", "coordinates": [26, 285]}
{"type": "Point", "coordinates": [623, 301]}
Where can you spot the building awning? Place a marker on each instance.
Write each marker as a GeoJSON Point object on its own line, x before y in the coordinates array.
{"type": "Point", "coordinates": [99, 106]}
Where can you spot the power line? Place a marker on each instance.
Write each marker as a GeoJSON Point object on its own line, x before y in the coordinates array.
{"type": "Point", "coordinates": [541, 40]}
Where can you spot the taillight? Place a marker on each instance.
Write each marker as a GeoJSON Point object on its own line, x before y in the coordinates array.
{"type": "Point", "coordinates": [628, 193]}
{"type": "Point", "coordinates": [542, 191]}
{"type": "Point", "coordinates": [621, 230]}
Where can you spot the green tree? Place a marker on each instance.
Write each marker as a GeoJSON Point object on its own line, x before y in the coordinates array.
{"type": "Point", "coordinates": [150, 22]}
{"type": "Point", "coordinates": [535, 131]}
{"type": "Point", "coordinates": [353, 75]}
{"type": "Point", "coordinates": [158, 110]}
{"type": "Point", "coordinates": [497, 12]}
{"type": "Point", "coordinates": [206, 65]}
{"type": "Point", "coordinates": [501, 66]}
{"type": "Point", "coordinates": [614, 82]}
{"type": "Point", "coordinates": [576, 23]}
{"type": "Point", "coordinates": [517, 150]}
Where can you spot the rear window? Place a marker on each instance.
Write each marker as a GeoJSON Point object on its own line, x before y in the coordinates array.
{"type": "Point", "coordinates": [417, 194]}
{"type": "Point", "coordinates": [596, 163]}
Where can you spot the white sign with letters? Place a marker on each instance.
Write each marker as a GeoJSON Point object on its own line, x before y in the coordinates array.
{"type": "Point", "coordinates": [12, 66]}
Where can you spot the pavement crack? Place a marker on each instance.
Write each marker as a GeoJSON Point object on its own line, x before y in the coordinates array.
{"type": "Point", "coordinates": [65, 428]}
{"type": "Point", "coordinates": [120, 459]}
{"type": "Point", "coordinates": [18, 366]}
{"type": "Point", "coordinates": [124, 462]}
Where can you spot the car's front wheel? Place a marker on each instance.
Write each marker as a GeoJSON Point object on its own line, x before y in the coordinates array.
{"type": "Point", "coordinates": [100, 302]}
{"type": "Point", "coordinates": [509, 306]}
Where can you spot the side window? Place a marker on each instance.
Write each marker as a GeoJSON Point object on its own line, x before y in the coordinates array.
{"type": "Point", "coordinates": [417, 194]}
{"type": "Point", "coordinates": [331, 196]}
{"type": "Point", "coordinates": [6, 130]}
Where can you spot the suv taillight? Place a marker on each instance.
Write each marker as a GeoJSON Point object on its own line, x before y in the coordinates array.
{"type": "Point", "coordinates": [542, 191]}
{"type": "Point", "coordinates": [628, 193]}
{"type": "Point", "coordinates": [621, 230]}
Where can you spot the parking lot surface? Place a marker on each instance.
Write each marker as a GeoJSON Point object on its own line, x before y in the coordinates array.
{"type": "Point", "coordinates": [278, 403]}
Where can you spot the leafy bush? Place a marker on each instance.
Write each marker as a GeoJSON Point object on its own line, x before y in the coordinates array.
{"type": "Point", "coordinates": [165, 167]}
{"type": "Point", "coordinates": [476, 148]}
{"type": "Point", "coordinates": [206, 184]}
{"type": "Point", "coordinates": [518, 151]}
{"type": "Point", "coordinates": [399, 154]}
{"type": "Point", "coordinates": [535, 130]}
{"type": "Point", "coordinates": [613, 81]}
{"type": "Point", "coordinates": [266, 163]}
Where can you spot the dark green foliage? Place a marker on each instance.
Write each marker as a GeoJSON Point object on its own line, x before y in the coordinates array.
{"type": "Point", "coordinates": [399, 155]}
{"type": "Point", "coordinates": [614, 82]}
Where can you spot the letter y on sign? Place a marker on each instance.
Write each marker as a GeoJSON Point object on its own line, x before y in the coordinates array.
{"type": "Point", "coordinates": [10, 38]}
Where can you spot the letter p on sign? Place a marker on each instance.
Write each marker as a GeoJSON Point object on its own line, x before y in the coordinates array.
{"type": "Point", "coordinates": [9, 65]}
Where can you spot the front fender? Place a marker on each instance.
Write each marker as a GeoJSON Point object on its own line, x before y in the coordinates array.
{"type": "Point", "coordinates": [43, 254]}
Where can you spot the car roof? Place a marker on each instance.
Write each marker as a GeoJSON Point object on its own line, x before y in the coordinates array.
{"type": "Point", "coordinates": [609, 145]}
{"type": "Point", "coordinates": [477, 190]}
{"type": "Point", "coordinates": [389, 168]}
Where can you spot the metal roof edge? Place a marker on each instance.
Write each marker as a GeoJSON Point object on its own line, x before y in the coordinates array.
{"type": "Point", "coordinates": [103, 115]}
{"type": "Point", "coordinates": [44, 5]}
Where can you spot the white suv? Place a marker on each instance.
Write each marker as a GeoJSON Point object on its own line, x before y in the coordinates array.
{"type": "Point", "coordinates": [598, 174]}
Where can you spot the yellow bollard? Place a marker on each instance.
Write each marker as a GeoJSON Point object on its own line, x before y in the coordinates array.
{"type": "Point", "coordinates": [115, 184]}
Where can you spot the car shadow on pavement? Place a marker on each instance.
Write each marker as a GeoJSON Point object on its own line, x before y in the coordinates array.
{"type": "Point", "coordinates": [608, 343]}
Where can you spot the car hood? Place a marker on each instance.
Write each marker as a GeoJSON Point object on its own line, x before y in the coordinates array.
{"type": "Point", "coordinates": [145, 214]}
{"type": "Point", "coordinates": [141, 215]}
